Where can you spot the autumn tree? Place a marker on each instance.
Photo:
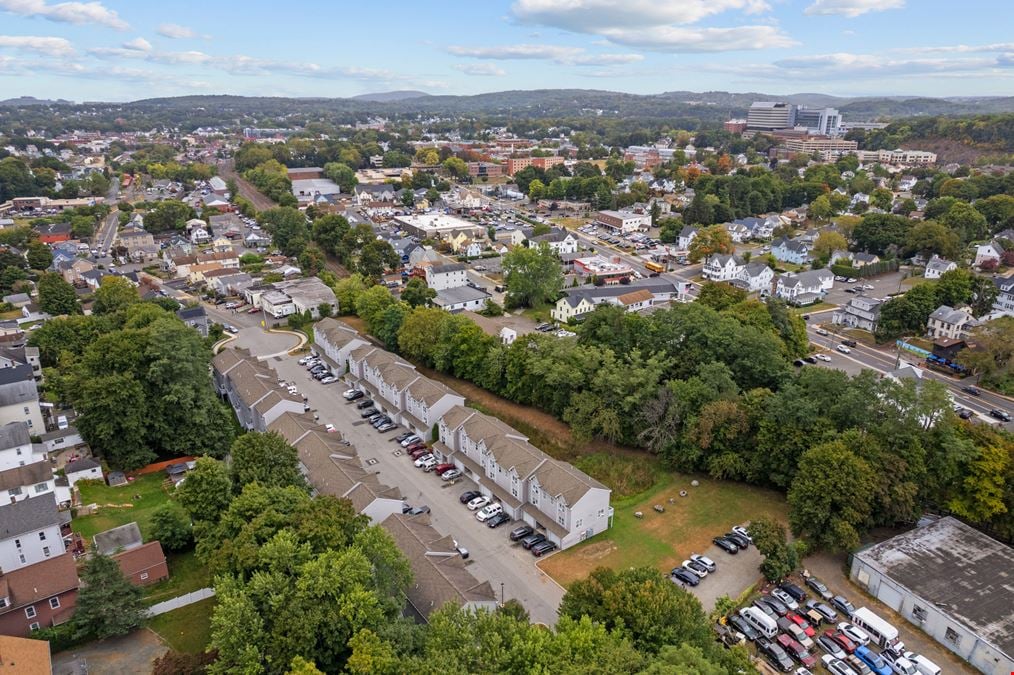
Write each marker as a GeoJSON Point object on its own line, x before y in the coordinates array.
{"type": "Point", "coordinates": [710, 241]}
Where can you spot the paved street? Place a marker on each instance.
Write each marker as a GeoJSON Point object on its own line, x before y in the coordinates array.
{"type": "Point", "coordinates": [493, 557]}
{"type": "Point", "coordinates": [103, 239]}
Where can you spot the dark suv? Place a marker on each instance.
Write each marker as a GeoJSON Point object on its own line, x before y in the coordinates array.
{"type": "Point", "coordinates": [519, 533]}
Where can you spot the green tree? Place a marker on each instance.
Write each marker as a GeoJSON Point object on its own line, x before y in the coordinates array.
{"type": "Point", "coordinates": [108, 605]}
{"type": "Point", "coordinates": [348, 290]}
{"type": "Point", "coordinates": [311, 260]}
{"type": "Point", "coordinates": [993, 358]}
{"type": "Point", "coordinates": [684, 659]}
{"type": "Point", "coordinates": [112, 419]}
{"type": "Point", "coordinates": [536, 190]}
{"type": "Point", "coordinates": [954, 288]}
{"type": "Point", "coordinates": [39, 256]}
{"type": "Point", "coordinates": [930, 237]}
{"type": "Point", "coordinates": [207, 491]}
{"type": "Point", "coordinates": [830, 501]}
{"type": "Point", "coordinates": [967, 223]}
{"type": "Point", "coordinates": [982, 492]}
{"type": "Point", "coordinates": [710, 241]}
{"type": "Point", "coordinates": [372, 302]}
{"type": "Point", "coordinates": [456, 167]}
{"type": "Point", "coordinates": [170, 525]}
{"type": "Point", "coordinates": [56, 296]}
{"type": "Point", "coordinates": [328, 231]}
{"type": "Point", "coordinates": [342, 175]}
{"type": "Point", "coordinates": [720, 295]}
{"type": "Point", "coordinates": [267, 459]}
{"type": "Point", "coordinates": [114, 294]}
{"type": "Point", "coordinates": [532, 275]}
{"type": "Point", "coordinates": [828, 242]}
{"type": "Point", "coordinates": [820, 208]}
{"type": "Point", "coordinates": [416, 293]}
{"type": "Point", "coordinates": [168, 215]}
{"type": "Point", "coordinates": [998, 210]}
{"type": "Point", "coordinates": [287, 227]}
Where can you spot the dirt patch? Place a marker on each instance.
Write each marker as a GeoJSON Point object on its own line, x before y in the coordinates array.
{"type": "Point", "coordinates": [598, 550]}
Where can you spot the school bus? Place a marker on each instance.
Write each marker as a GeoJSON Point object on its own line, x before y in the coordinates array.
{"type": "Point", "coordinates": [655, 267]}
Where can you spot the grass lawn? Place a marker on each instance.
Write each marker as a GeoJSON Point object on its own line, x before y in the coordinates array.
{"type": "Point", "coordinates": [662, 540]}
{"type": "Point", "coordinates": [186, 574]}
{"type": "Point", "coordinates": [571, 223]}
{"type": "Point", "coordinates": [187, 629]}
{"type": "Point", "coordinates": [816, 307]}
{"type": "Point", "coordinates": [117, 505]}
{"type": "Point", "coordinates": [910, 282]}
{"type": "Point", "coordinates": [539, 313]}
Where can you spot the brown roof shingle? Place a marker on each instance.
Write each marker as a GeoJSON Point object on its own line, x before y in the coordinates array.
{"type": "Point", "coordinates": [28, 585]}
{"type": "Point", "coordinates": [140, 559]}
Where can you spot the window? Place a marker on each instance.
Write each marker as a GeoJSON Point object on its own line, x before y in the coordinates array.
{"type": "Point", "coordinates": [42, 535]}
{"type": "Point", "coordinates": [45, 551]}
{"type": "Point", "coordinates": [30, 611]}
{"type": "Point", "coordinates": [40, 488]}
{"type": "Point", "coordinates": [26, 410]}
{"type": "Point", "coordinates": [144, 575]}
{"type": "Point", "coordinates": [560, 519]}
{"type": "Point", "coordinates": [602, 512]}
{"type": "Point", "coordinates": [23, 559]}
{"type": "Point", "coordinates": [3, 602]}
{"type": "Point", "coordinates": [952, 636]}
{"type": "Point", "coordinates": [919, 612]}
{"type": "Point", "coordinates": [34, 626]}
{"type": "Point", "coordinates": [578, 523]}
{"type": "Point", "coordinates": [54, 603]}
{"type": "Point", "coordinates": [17, 542]}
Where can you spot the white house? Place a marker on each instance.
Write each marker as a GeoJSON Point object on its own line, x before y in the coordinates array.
{"type": "Point", "coordinates": [633, 296]}
{"type": "Point", "coordinates": [442, 277]}
{"type": "Point", "coordinates": [861, 312]}
{"type": "Point", "coordinates": [30, 532]}
{"type": "Point", "coordinates": [755, 277]}
{"type": "Point", "coordinates": [30, 480]}
{"type": "Point", "coordinates": [790, 250]}
{"type": "Point", "coordinates": [686, 237]}
{"type": "Point", "coordinates": [947, 322]}
{"type": "Point", "coordinates": [991, 250]}
{"type": "Point", "coordinates": [938, 266]}
{"type": "Point", "coordinates": [16, 448]}
{"type": "Point", "coordinates": [722, 267]}
{"type": "Point", "coordinates": [82, 469]}
{"type": "Point", "coordinates": [559, 240]}
{"type": "Point", "coordinates": [805, 287]}
{"type": "Point", "coordinates": [461, 298]}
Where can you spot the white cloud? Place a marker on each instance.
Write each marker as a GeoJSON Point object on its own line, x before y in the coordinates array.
{"type": "Point", "coordinates": [845, 66]}
{"type": "Point", "coordinates": [67, 12]}
{"type": "Point", "coordinates": [591, 16]}
{"type": "Point", "coordinates": [693, 39]}
{"type": "Point", "coordinates": [959, 49]}
{"type": "Point", "coordinates": [50, 46]}
{"type": "Point", "coordinates": [138, 44]}
{"type": "Point", "coordinates": [852, 8]}
{"type": "Point", "coordinates": [480, 69]}
{"type": "Point", "coordinates": [176, 31]}
{"type": "Point", "coordinates": [558, 54]}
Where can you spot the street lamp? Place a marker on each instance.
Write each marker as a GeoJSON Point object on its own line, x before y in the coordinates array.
{"type": "Point", "coordinates": [501, 594]}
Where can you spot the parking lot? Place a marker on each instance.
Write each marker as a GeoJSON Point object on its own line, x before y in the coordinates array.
{"type": "Point", "coordinates": [493, 557]}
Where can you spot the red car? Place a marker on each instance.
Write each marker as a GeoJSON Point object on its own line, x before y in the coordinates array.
{"type": "Point", "coordinates": [802, 623]}
{"type": "Point", "coordinates": [419, 452]}
{"type": "Point", "coordinates": [441, 468]}
{"type": "Point", "coordinates": [796, 650]}
{"type": "Point", "coordinates": [415, 446]}
{"type": "Point", "coordinates": [848, 645]}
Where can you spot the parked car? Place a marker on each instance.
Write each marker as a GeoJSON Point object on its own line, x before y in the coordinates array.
{"type": "Point", "coordinates": [410, 440]}
{"type": "Point", "coordinates": [685, 576]}
{"type": "Point", "coordinates": [778, 608]}
{"type": "Point", "coordinates": [841, 603]}
{"type": "Point", "coordinates": [450, 474]}
{"type": "Point", "coordinates": [532, 540]}
{"type": "Point", "coordinates": [835, 665]}
{"type": "Point", "coordinates": [796, 650]}
{"type": "Point", "coordinates": [726, 545]}
{"type": "Point", "coordinates": [741, 624]}
{"type": "Point", "coordinates": [698, 569]}
{"type": "Point", "coordinates": [427, 463]}
{"type": "Point", "coordinates": [854, 633]}
{"type": "Point", "coordinates": [498, 520]}
{"type": "Point", "coordinates": [818, 586]}
{"type": "Point", "coordinates": [400, 437]}
{"type": "Point", "coordinates": [417, 510]}
{"type": "Point", "coordinates": [329, 379]}
{"type": "Point", "coordinates": [802, 622]}
{"type": "Point", "coordinates": [775, 655]}
{"type": "Point", "coordinates": [441, 468]}
{"type": "Point", "coordinates": [387, 426]}
{"type": "Point", "coordinates": [825, 611]}
{"type": "Point", "coordinates": [469, 495]}
{"type": "Point", "coordinates": [520, 532]}
{"type": "Point", "coordinates": [488, 512]}
{"type": "Point", "coordinates": [848, 645]}
{"type": "Point", "coordinates": [742, 531]}
{"type": "Point", "coordinates": [478, 502]}
{"type": "Point", "coordinates": [899, 664]}
{"type": "Point", "coordinates": [364, 404]}
{"type": "Point", "coordinates": [542, 548]}
{"type": "Point", "coordinates": [831, 647]}
{"type": "Point", "coordinates": [738, 539]}
{"type": "Point", "coordinates": [708, 563]}
{"type": "Point", "coordinates": [857, 664]}
{"type": "Point", "coordinates": [368, 413]}
{"type": "Point", "coordinates": [784, 598]}
{"type": "Point", "coordinates": [797, 593]}
{"type": "Point", "coordinates": [422, 459]}
{"type": "Point", "coordinates": [875, 661]}
{"type": "Point", "coordinates": [795, 632]}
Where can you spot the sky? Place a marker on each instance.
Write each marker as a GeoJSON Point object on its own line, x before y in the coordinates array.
{"type": "Point", "coordinates": [111, 50]}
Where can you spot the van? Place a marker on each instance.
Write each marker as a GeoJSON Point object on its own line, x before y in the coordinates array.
{"type": "Point", "coordinates": [61, 422]}
{"type": "Point", "coordinates": [922, 664]}
{"type": "Point", "coordinates": [763, 623]}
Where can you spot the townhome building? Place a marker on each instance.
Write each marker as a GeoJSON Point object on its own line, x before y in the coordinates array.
{"type": "Point", "coordinates": [633, 296]}
{"type": "Point", "coordinates": [721, 267]}
{"type": "Point", "coordinates": [948, 322]}
{"type": "Point", "coordinates": [31, 530]}
{"type": "Point", "coordinates": [554, 497]}
{"type": "Point", "coordinates": [37, 596]}
{"type": "Point", "coordinates": [16, 447]}
{"type": "Point", "coordinates": [804, 288]}
{"type": "Point", "coordinates": [755, 277]}
{"type": "Point", "coordinates": [860, 312]}
{"type": "Point", "coordinates": [559, 240]}
{"type": "Point", "coordinates": [252, 388]}
{"type": "Point", "coordinates": [790, 251]}
{"type": "Point", "coordinates": [19, 397]}
{"type": "Point", "coordinates": [179, 262]}
{"type": "Point", "coordinates": [332, 467]}
{"type": "Point", "coordinates": [337, 340]}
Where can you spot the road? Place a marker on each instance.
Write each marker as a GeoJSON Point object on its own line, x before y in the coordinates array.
{"type": "Point", "coordinates": [887, 360]}
{"type": "Point", "coordinates": [103, 239]}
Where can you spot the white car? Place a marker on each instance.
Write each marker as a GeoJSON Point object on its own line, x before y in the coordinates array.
{"type": "Point", "coordinates": [423, 459]}
{"type": "Point", "coordinates": [330, 428]}
{"type": "Point", "coordinates": [784, 598]}
{"type": "Point", "coordinates": [836, 666]}
{"type": "Point", "coordinates": [410, 440]}
{"type": "Point", "coordinates": [843, 349]}
{"type": "Point", "coordinates": [704, 560]}
{"type": "Point", "coordinates": [901, 665]}
{"type": "Point", "coordinates": [821, 331]}
{"type": "Point", "coordinates": [450, 474]}
{"type": "Point", "coordinates": [822, 357]}
{"type": "Point", "coordinates": [854, 633]}
{"type": "Point", "coordinates": [696, 569]}
{"type": "Point", "coordinates": [478, 502]}
{"type": "Point", "coordinates": [329, 379]}
{"type": "Point", "coordinates": [742, 531]}
{"type": "Point", "coordinates": [488, 512]}
{"type": "Point", "coordinates": [428, 464]}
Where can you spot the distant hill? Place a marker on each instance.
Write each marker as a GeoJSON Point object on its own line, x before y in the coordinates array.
{"type": "Point", "coordinates": [31, 100]}
{"type": "Point", "coordinates": [390, 96]}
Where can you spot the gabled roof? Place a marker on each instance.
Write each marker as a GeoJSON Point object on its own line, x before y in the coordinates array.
{"type": "Point", "coordinates": [561, 480]}
{"type": "Point", "coordinates": [124, 537]}
{"type": "Point", "coordinates": [28, 585]}
{"type": "Point", "coordinates": [27, 515]}
{"type": "Point", "coordinates": [14, 434]}
{"type": "Point", "coordinates": [24, 656]}
{"type": "Point", "coordinates": [29, 474]}
{"type": "Point", "coordinates": [140, 558]}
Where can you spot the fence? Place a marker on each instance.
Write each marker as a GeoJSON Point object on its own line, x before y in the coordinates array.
{"type": "Point", "coordinates": [180, 601]}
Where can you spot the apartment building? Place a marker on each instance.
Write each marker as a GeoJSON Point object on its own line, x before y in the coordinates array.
{"type": "Point", "coordinates": [337, 340]}
{"type": "Point", "coordinates": [442, 277]}
{"type": "Point", "coordinates": [515, 164]}
{"type": "Point", "coordinates": [861, 312]}
{"type": "Point", "coordinates": [770, 115]}
{"type": "Point", "coordinates": [16, 447]}
{"type": "Point", "coordinates": [623, 221]}
{"type": "Point", "coordinates": [898, 156]}
{"type": "Point", "coordinates": [31, 530]}
{"type": "Point", "coordinates": [948, 322]}
{"type": "Point", "coordinates": [19, 397]}
{"type": "Point", "coordinates": [552, 496]}
{"type": "Point", "coordinates": [252, 388]}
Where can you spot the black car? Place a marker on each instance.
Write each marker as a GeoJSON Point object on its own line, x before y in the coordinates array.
{"type": "Point", "coordinates": [369, 412]}
{"type": "Point", "coordinates": [685, 575]}
{"type": "Point", "coordinates": [965, 414]}
{"type": "Point", "coordinates": [798, 363]}
{"type": "Point", "coordinates": [468, 496]}
{"type": "Point", "coordinates": [365, 403]}
{"type": "Point", "coordinates": [354, 395]}
{"type": "Point", "coordinates": [416, 510]}
{"type": "Point", "coordinates": [518, 533]}
{"type": "Point", "coordinates": [380, 421]}
{"type": "Point", "coordinates": [775, 655]}
{"type": "Point", "coordinates": [823, 609]}
{"type": "Point", "coordinates": [810, 359]}
{"type": "Point", "coordinates": [797, 593]}
{"type": "Point", "coordinates": [737, 539]}
{"type": "Point", "coordinates": [400, 437]}
{"type": "Point", "coordinates": [741, 624]}
{"type": "Point", "coordinates": [971, 390]}
{"type": "Point", "coordinates": [850, 343]}
{"type": "Point", "coordinates": [775, 604]}
{"type": "Point", "coordinates": [726, 545]}
{"type": "Point", "coordinates": [1000, 414]}
{"type": "Point", "coordinates": [498, 520]}
{"type": "Point", "coordinates": [532, 540]}
{"type": "Point", "coordinates": [542, 548]}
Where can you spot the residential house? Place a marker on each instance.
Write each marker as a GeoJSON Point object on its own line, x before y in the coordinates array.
{"type": "Point", "coordinates": [553, 496]}
{"type": "Point", "coordinates": [252, 388]}
{"type": "Point", "coordinates": [73, 270]}
{"type": "Point", "coordinates": [18, 300]}
{"type": "Point", "coordinates": [38, 596]}
{"type": "Point", "coordinates": [947, 322]}
{"type": "Point", "coordinates": [336, 340]}
{"type": "Point", "coordinates": [60, 439]}
{"type": "Point", "coordinates": [1004, 303]}
{"type": "Point", "coordinates": [755, 277]}
{"type": "Point", "coordinates": [861, 312]}
{"type": "Point", "coordinates": [16, 447]}
{"type": "Point", "coordinates": [179, 262]}
{"type": "Point", "coordinates": [559, 240]}
{"type": "Point", "coordinates": [938, 266]}
{"type": "Point", "coordinates": [142, 563]}
{"type": "Point", "coordinates": [85, 468]}
{"type": "Point", "coordinates": [804, 288]}
{"type": "Point", "coordinates": [32, 313]}
{"type": "Point", "coordinates": [990, 251]}
{"type": "Point", "coordinates": [53, 233]}
{"type": "Point", "coordinates": [721, 267]}
{"type": "Point", "coordinates": [23, 482]}
{"type": "Point", "coordinates": [139, 244]}
{"type": "Point", "coordinates": [229, 282]}
{"type": "Point", "coordinates": [298, 296]}
{"type": "Point", "coordinates": [738, 232]}
{"type": "Point", "coordinates": [19, 397]}
{"type": "Point", "coordinates": [461, 298]}
{"type": "Point", "coordinates": [790, 251]}
{"type": "Point", "coordinates": [369, 194]}
{"type": "Point", "coordinates": [11, 355]}
{"type": "Point", "coordinates": [439, 576]}
{"type": "Point", "coordinates": [195, 317]}
{"type": "Point", "coordinates": [686, 237]}
{"type": "Point", "coordinates": [31, 530]}
{"type": "Point", "coordinates": [332, 467]}
{"type": "Point", "coordinates": [442, 277]}
{"type": "Point", "coordinates": [582, 299]}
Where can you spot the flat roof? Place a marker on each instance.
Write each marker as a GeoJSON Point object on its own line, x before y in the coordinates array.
{"type": "Point", "coordinates": [435, 222]}
{"type": "Point", "coordinates": [959, 570]}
